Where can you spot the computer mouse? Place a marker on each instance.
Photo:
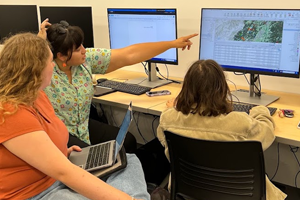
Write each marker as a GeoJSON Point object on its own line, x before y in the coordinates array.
{"type": "Point", "coordinates": [100, 80]}
{"type": "Point", "coordinates": [289, 113]}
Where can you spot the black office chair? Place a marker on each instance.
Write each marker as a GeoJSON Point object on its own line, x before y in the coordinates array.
{"type": "Point", "coordinates": [216, 170]}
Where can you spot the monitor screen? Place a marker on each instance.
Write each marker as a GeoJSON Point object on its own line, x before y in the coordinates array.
{"type": "Point", "coordinates": [131, 26]}
{"type": "Point", "coordinates": [257, 41]}
{"type": "Point", "coordinates": [75, 16]}
{"type": "Point", "coordinates": [18, 18]}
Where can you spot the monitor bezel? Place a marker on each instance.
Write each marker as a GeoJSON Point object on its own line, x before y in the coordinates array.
{"type": "Point", "coordinates": [249, 71]}
{"type": "Point", "coordinates": [152, 60]}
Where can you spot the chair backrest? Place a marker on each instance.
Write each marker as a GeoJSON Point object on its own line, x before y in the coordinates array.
{"type": "Point", "coordinates": [216, 170]}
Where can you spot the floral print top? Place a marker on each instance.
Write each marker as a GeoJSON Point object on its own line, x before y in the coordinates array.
{"type": "Point", "coordinates": [71, 102]}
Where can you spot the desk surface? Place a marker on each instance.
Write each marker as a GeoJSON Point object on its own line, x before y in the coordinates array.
{"type": "Point", "coordinates": [286, 130]}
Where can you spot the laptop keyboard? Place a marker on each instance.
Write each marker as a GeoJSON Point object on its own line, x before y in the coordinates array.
{"type": "Point", "coordinates": [98, 155]}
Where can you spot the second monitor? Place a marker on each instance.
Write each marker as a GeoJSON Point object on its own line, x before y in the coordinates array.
{"type": "Point", "coordinates": [255, 41]}
{"type": "Point", "coordinates": [75, 16]}
{"type": "Point", "coordinates": [131, 26]}
{"type": "Point", "coordinates": [18, 18]}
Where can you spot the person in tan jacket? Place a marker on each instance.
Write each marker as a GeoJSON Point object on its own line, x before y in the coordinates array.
{"type": "Point", "coordinates": [203, 109]}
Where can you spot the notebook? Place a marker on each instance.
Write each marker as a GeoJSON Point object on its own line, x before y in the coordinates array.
{"type": "Point", "coordinates": [103, 155]}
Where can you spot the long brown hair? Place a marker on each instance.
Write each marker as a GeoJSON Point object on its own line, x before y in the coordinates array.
{"type": "Point", "coordinates": [22, 60]}
{"type": "Point", "coordinates": [205, 90]}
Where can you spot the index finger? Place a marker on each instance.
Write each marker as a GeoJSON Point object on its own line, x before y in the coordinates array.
{"type": "Point", "coordinates": [191, 36]}
{"type": "Point", "coordinates": [46, 23]}
{"type": "Point", "coordinates": [45, 20]}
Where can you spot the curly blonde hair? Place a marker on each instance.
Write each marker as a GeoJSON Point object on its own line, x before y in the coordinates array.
{"type": "Point", "coordinates": [22, 60]}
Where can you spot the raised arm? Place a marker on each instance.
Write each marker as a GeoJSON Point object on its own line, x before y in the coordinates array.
{"type": "Point", "coordinates": [37, 149]}
{"type": "Point", "coordinates": [140, 52]}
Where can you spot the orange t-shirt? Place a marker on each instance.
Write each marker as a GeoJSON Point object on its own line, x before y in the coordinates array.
{"type": "Point", "coordinates": [19, 180]}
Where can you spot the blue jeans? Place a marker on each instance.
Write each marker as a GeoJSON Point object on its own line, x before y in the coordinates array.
{"type": "Point", "coordinates": [129, 180]}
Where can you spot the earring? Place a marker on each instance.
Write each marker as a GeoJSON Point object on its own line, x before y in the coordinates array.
{"type": "Point", "coordinates": [64, 64]}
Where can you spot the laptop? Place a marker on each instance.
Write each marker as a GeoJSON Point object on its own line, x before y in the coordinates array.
{"type": "Point", "coordinates": [105, 154]}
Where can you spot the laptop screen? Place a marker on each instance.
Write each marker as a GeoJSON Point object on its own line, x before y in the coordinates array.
{"type": "Point", "coordinates": [123, 129]}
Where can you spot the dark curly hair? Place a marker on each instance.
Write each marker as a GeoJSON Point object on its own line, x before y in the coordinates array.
{"type": "Point", "coordinates": [64, 39]}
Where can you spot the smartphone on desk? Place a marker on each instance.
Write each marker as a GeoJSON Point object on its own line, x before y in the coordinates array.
{"type": "Point", "coordinates": [158, 93]}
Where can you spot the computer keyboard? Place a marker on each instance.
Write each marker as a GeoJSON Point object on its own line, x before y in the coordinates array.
{"type": "Point", "coordinates": [124, 87]}
{"type": "Point", "coordinates": [245, 107]}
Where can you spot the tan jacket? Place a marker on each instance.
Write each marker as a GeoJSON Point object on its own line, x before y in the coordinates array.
{"type": "Point", "coordinates": [235, 126]}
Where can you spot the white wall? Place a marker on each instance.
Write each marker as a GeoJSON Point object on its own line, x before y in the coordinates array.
{"type": "Point", "coordinates": [188, 22]}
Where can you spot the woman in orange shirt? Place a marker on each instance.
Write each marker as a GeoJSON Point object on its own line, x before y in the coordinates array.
{"type": "Point", "coordinates": [33, 141]}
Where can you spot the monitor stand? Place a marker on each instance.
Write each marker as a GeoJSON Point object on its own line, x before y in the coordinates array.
{"type": "Point", "coordinates": [251, 96]}
{"type": "Point", "coordinates": [152, 81]}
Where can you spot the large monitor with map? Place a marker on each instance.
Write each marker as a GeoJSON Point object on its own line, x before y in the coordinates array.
{"type": "Point", "coordinates": [255, 41]}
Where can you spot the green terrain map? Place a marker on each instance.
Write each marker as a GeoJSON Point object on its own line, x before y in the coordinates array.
{"type": "Point", "coordinates": [260, 31]}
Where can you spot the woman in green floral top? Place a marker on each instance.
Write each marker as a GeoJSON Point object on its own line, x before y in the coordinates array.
{"type": "Point", "coordinates": [71, 89]}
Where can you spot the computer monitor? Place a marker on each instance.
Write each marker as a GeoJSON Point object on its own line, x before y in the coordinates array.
{"type": "Point", "coordinates": [75, 16]}
{"type": "Point", "coordinates": [18, 18]}
{"type": "Point", "coordinates": [255, 41]}
{"type": "Point", "coordinates": [131, 26]}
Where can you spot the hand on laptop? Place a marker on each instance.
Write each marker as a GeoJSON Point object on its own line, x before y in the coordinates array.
{"type": "Point", "coordinates": [73, 148]}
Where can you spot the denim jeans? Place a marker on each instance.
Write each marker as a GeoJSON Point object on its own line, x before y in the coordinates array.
{"type": "Point", "coordinates": [129, 180]}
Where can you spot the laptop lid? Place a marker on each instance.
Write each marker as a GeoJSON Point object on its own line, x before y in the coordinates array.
{"type": "Point", "coordinates": [123, 130]}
